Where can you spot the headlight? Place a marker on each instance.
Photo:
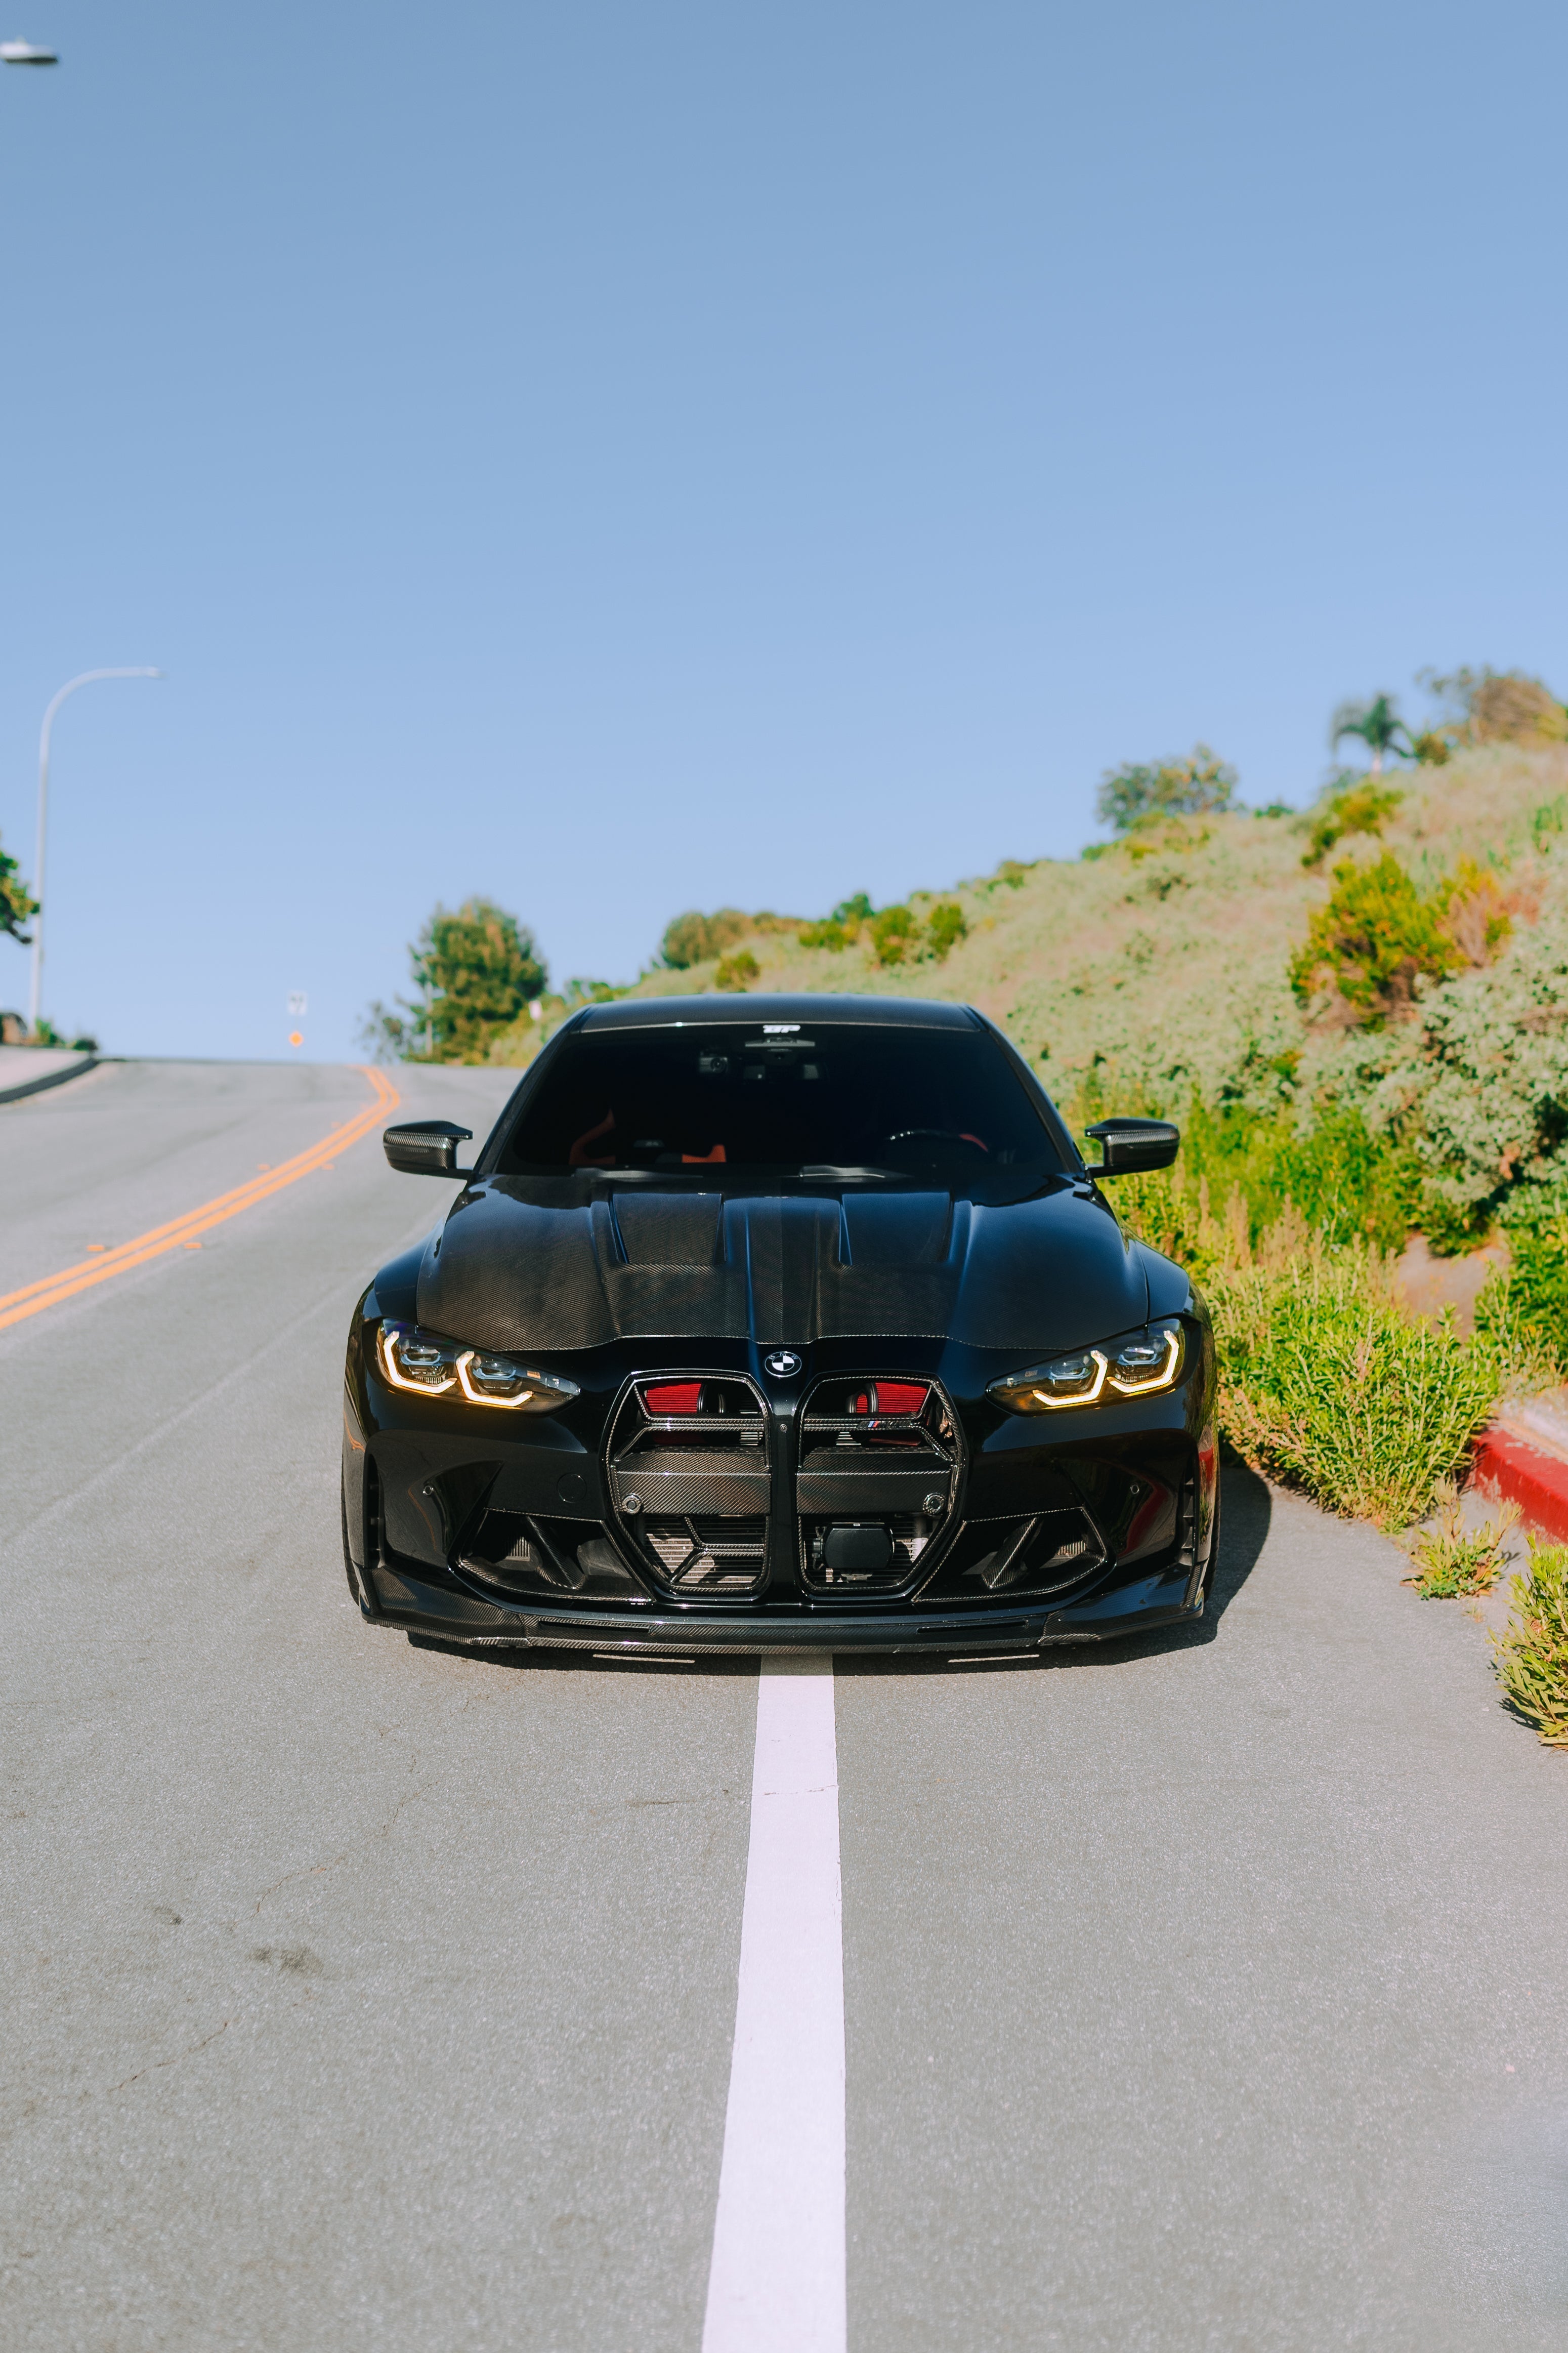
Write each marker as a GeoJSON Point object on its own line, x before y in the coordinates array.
{"type": "Point", "coordinates": [1136, 1365]}
{"type": "Point", "coordinates": [418, 1361]}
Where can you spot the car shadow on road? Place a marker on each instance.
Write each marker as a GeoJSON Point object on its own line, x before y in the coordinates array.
{"type": "Point", "coordinates": [1244, 1530]}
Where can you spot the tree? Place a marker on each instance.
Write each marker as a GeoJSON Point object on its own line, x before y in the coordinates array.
{"type": "Point", "coordinates": [695, 938]}
{"type": "Point", "coordinates": [387, 1036]}
{"type": "Point", "coordinates": [852, 912]}
{"type": "Point", "coordinates": [16, 906]}
{"type": "Point", "coordinates": [476, 971]}
{"type": "Point", "coordinates": [1498, 706]}
{"type": "Point", "coordinates": [1377, 723]}
{"type": "Point", "coordinates": [1194, 787]}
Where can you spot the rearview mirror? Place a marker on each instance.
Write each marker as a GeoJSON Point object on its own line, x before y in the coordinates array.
{"type": "Point", "coordinates": [1130, 1146]}
{"type": "Point", "coordinates": [426, 1147]}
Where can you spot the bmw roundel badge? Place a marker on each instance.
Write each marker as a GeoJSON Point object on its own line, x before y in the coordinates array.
{"type": "Point", "coordinates": [782, 1364]}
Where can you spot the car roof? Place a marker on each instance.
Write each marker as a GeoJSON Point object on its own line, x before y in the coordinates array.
{"type": "Point", "coordinates": [884, 1012]}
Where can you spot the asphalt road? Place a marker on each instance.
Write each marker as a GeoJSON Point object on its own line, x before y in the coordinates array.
{"type": "Point", "coordinates": [1206, 1993]}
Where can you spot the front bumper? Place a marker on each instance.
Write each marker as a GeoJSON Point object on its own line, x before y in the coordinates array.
{"type": "Point", "coordinates": [419, 1479]}
{"type": "Point", "coordinates": [1137, 1607]}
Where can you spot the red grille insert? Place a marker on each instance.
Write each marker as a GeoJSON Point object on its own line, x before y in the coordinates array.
{"type": "Point", "coordinates": [674, 1397]}
{"type": "Point", "coordinates": [900, 1397]}
{"type": "Point", "coordinates": [892, 1396]}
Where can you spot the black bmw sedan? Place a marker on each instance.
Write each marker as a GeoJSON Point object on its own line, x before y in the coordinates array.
{"type": "Point", "coordinates": [766, 1321]}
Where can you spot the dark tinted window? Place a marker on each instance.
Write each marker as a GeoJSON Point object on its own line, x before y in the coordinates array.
{"type": "Point", "coordinates": [911, 1101]}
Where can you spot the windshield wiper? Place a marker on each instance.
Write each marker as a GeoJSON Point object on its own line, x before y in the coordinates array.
{"type": "Point", "coordinates": [833, 1172]}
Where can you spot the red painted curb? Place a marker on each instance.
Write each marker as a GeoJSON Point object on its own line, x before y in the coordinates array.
{"type": "Point", "coordinates": [1516, 1473]}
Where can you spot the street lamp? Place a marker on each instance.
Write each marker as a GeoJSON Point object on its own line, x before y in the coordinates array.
{"type": "Point", "coordinates": [70, 686]}
{"type": "Point", "coordinates": [22, 53]}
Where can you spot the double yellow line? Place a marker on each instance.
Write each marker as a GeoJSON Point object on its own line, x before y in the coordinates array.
{"type": "Point", "coordinates": [183, 1232]}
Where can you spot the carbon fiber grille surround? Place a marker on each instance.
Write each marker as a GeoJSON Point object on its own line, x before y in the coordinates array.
{"type": "Point", "coordinates": [874, 1488]}
{"type": "Point", "coordinates": [692, 1490]}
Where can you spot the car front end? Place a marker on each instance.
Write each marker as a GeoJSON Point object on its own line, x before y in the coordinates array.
{"type": "Point", "coordinates": [911, 1498]}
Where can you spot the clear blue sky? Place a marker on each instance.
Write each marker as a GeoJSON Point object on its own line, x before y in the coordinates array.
{"type": "Point", "coordinates": [636, 454]}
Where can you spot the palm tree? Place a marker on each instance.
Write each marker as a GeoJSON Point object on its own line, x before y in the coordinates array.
{"type": "Point", "coordinates": [1378, 725]}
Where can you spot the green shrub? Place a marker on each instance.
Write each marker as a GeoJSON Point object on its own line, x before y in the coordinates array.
{"type": "Point", "coordinates": [893, 934]}
{"type": "Point", "coordinates": [1375, 937]}
{"type": "Point", "coordinates": [1453, 1560]}
{"type": "Point", "coordinates": [1345, 1180]}
{"type": "Point", "coordinates": [1532, 1653]}
{"type": "Point", "coordinates": [945, 926]}
{"type": "Point", "coordinates": [1525, 1308]}
{"type": "Point", "coordinates": [738, 971]}
{"type": "Point", "coordinates": [1476, 1082]}
{"type": "Point", "coordinates": [1548, 820]}
{"type": "Point", "coordinates": [1326, 1384]}
{"type": "Point", "coordinates": [842, 928]}
{"type": "Point", "coordinates": [1364, 807]}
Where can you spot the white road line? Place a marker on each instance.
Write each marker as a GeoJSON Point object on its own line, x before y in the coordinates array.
{"type": "Point", "coordinates": [777, 2283]}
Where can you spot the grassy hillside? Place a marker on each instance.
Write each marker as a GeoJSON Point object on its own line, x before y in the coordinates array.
{"type": "Point", "coordinates": [1155, 969]}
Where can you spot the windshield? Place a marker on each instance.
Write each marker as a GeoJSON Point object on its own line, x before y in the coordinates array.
{"type": "Point", "coordinates": [905, 1102]}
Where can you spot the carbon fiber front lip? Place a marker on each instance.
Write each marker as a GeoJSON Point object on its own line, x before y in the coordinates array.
{"type": "Point", "coordinates": [1130, 1609]}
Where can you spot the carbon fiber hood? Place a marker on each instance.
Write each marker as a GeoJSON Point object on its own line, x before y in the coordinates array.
{"type": "Point", "coordinates": [531, 1266]}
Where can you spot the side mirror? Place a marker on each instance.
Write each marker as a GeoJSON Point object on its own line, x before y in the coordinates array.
{"type": "Point", "coordinates": [426, 1147]}
{"type": "Point", "coordinates": [1130, 1146]}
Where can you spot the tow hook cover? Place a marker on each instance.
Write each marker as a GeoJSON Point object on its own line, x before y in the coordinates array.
{"type": "Point", "coordinates": [859, 1546]}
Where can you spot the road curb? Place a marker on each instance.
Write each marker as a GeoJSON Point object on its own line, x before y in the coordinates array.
{"type": "Point", "coordinates": [50, 1079]}
{"type": "Point", "coordinates": [1508, 1468]}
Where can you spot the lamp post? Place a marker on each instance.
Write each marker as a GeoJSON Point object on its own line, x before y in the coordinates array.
{"type": "Point", "coordinates": [70, 686]}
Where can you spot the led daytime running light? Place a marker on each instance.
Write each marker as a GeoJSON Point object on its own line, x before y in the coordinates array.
{"type": "Point", "coordinates": [1080, 1397]}
{"type": "Point", "coordinates": [1131, 1364]}
{"type": "Point", "coordinates": [422, 1365]}
{"type": "Point", "coordinates": [1163, 1376]}
{"type": "Point", "coordinates": [399, 1379]}
{"type": "Point", "coordinates": [486, 1396]}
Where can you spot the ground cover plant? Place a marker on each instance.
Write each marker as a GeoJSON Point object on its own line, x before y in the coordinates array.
{"type": "Point", "coordinates": [1327, 1384]}
{"type": "Point", "coordinates": [1532, 1653]}
{"type": "Point", "coordinates": [1452, 1559]}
